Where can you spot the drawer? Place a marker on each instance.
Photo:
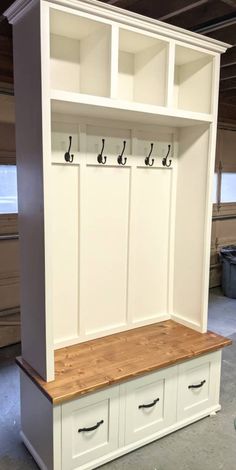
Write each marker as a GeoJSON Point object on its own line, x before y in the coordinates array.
{"type": "Point", "coordinates": [198, 385]}
{"type": "Point", "coordinates": [89, 427]}
{"type": "Point", "coordinates": [150, 404]}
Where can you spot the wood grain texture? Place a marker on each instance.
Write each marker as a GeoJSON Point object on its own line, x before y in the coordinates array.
{"type": "Point", "coordinates": [89, 366]}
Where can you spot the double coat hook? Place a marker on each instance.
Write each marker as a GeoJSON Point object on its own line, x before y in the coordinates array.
{"type": "Point", "coordinates": [164, 160]}
{"type": "Point", "coordinates": [68, 156]}
{"type": "Point", "coordinates": [100, 155]}
{"type": "Point", "coordinates": [147, 159]}
{"type": "Point", "coordinates": [120, 157]}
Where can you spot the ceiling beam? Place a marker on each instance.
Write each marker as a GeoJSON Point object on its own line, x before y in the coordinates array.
{"type": "Point", "coordinates": [228, 84]}
{"type": "Point", "coordinates": [179, 11]}
{"type": "Point", "coordinates": [214, 25]}
{"type": "Point", "coordinates": [229, 58]}
{"type": "Point", "coordinates": [227, 73]}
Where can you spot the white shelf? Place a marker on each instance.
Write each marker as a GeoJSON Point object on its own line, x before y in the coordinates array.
{"type": "Point", "coordinates": [106, 108]}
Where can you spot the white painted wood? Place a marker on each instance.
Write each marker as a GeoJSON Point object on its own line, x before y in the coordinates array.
{"type": "Point", "coordinates": [189, 224]}
{"type": "Point", "coordinates": [36, 331]}
{"type": "Point", "coordinates": [37, 422]}
{"type": "Point", "coordinates": [149, 243]}
{"type": "Point", "coordinates": [60, 133]}
{"type": "Point", "coordinates": [94, 106]}
{"type": "Point", "coordinates": [143, 422]}
{"type": "Point", "coordinates": [65, 250]}
{"type": "Point", "coordinates": [104, 248]}
{"type": "Point", "coordinates": [81, 447]}
{"type": "Point", "coordinates": [194, 400]}
{"type": "Point", "coordinates": [193, 80]}
{"type": "Point", "coordinates": [20, 8]}
{"type": "Point", "coordinates": [80, 50]}
{"type": "Point", "coordinates": [142, 68]}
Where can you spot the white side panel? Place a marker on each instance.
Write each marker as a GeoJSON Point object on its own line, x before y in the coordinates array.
{"type": "Point", "coordinates": [37, 420]}
{"type": "Point", "coordinates": [37, 344]}
{"type": "Point", "coordinates": [65, 255]}
{"type": "Point", "coordinates": [104, 248]}
{"type": "Point", "coordinates": [190, 224]}
{"type": "Point", "coordinates": [126, 76]}
{"type": "Point", "coordinates": [149, 245]}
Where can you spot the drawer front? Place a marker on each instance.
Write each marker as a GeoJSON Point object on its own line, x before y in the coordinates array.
{"type": "Point", "coordinates": [150, 404]}
{"type": "Point", "coordinates": [198, 385]}
{"type": "Point", "coordinates": [89, 427]}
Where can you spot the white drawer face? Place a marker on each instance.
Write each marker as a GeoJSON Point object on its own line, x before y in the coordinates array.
{"type": "Point", "coordinates": [150, 404]}
{"type": "Point", "coordinates": [198, 384]}
{"type": "Point", "coordinates": [90, 427]}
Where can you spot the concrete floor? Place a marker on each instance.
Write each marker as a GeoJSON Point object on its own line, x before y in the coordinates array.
{"type": "Point", "coordinates": [209, 444]}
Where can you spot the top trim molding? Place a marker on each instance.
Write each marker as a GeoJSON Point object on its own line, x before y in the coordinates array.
{"type": "Point", "coordinates": [20, 7]}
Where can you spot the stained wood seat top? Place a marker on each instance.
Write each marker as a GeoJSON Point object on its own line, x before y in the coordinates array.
{"type": "Point", "coordinates": [89, 366]}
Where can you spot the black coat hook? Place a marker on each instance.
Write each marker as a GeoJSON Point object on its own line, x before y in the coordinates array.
{"type": "Point", "coordinates": [119, 158]}
{"type": "Point", "coordinates": [69, 157]}
{"type": "Point", "coordinates": [147, 159]}
{"type": "Point", "coordinates": [164, 160]}
{"type": "Point", "coordinates": [99, 157]}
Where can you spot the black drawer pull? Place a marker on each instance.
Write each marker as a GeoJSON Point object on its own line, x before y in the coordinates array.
{"type": "Point", "coordinates": [150, 404]}
{"type": "Point", "coordinates": [198, 385]}
{"type": "Point", "coordinates": [92, 428]}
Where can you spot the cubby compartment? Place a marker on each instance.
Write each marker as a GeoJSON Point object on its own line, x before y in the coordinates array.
{"type": "Point", "coordinates": [193, 80]}
{"type": "Point", "coordinates": [142, 68]}
{"type": "Point", "coordinates": [79, 54]}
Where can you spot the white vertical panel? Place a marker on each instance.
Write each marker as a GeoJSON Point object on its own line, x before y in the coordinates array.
{"type": "Point", "coordinates": [104, 248]}
{"type": "Point", "coordinates": [149, 244]}
{"type": "Point", "coordinates": [126, 76]}
{"type": "Point", "coordinates": [65, 257]}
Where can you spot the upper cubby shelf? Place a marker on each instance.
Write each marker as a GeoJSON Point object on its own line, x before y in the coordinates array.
{"type": "Point", "coordinates": [142, 68]}
{"type": "Point", "coordinates": [193, 80]}
{"type": "Point", "coordinates": [79, 54]}
{"type": "Point", "coordinates": [132, 73]}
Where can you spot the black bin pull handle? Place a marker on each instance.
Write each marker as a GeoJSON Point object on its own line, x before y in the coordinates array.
{"type": "Point", "coordinates": [149, 405]}
{"type": "Point", "coordinates": [92, 427]}
{"type": "Point", "coordinates": [198, 385]}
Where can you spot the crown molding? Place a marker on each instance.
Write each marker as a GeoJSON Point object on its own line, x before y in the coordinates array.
{"type": "Point", "coordinates": [104, 10]}
{"type": "Point", "coordinates": [18, 9]}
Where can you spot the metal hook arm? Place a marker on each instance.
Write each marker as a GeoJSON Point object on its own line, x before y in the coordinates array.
{"type": "Point", "coordinates": [164, 160]}
{"type": "Point", "coordinates": [69, 157]}
{"type": "Point", "coordinates": [147, 159]}
{"type": "Point", "coordinates": [99, 157]}
{"type": "Point", "coordinates": [120, 157]}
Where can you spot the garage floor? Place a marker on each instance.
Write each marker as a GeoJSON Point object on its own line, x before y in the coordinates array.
{"type": "Point", "coordinates": [209, 444]}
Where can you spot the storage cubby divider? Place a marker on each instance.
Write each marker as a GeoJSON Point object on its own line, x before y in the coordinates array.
{"type": "Point", "coordinates": [80, 50]}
